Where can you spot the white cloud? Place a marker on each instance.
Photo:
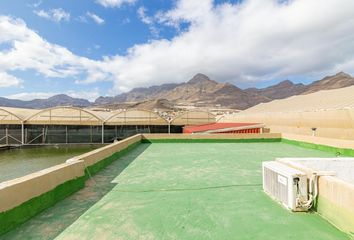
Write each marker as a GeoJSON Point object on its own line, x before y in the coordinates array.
{"type": "Point", "coordinates": [95, 18]}
{"type": "Point", "coordinates": [30, 96]}
{"type": "Point", "coordinates": [43, 14]}
{"type": "Point", "coordinates": [26, 96]}
{"type": "Point", "coordinates": [114, 3]}
{"type": "Point", "coordinates": [242, 43]}
{"type": "Point", "coordinates": [187, 11]}
{"type": "Point", "coordinates": [7, 80]}
{"type": "Point", "coordinates": [143, 17]}
{"type": "Point", "coordinates": [55, 15]}
{"type": "Point", "coordinates": [89, 95]}
{"type": "Point", "coordinates": [253, 41]}
{"type": "Point", "coordinates": [125, 21]}
{"type": "Point", "coordinates": [29, 51]}
{"type": "Point", "coordinates": [150, 21]}
{"type": "Point", "coordinates": [35, 4]}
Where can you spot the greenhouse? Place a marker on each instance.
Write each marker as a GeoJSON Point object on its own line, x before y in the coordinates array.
{"type": "Point", "coordinates": [193, 118]}
{"type": "Point", "coordinates": [126, 123]}
{"type": "Point", "coordinates": [64, 125]}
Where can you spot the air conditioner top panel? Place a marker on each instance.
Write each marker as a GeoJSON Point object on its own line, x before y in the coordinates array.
{"type": "Point", "coordinates": [283, 169]}
{"type": "Point", "coordinates": [315, 159]}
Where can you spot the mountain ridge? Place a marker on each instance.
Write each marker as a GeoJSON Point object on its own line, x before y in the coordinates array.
{"type": "Point", "coordinates": [202, 91]}
{"type": "Point", "coordinates": [54, 101]}
{"type": "Point", "coordinates": [199, 91]}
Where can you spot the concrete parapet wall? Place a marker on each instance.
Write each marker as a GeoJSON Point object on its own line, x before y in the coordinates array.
{"type": "Point", "coordinates": [336, 203]}
{"type": "Point", "coordinates": [97, 155]}
{"type": "Point", "coordinates": [211, 136]}
{"type": "Point", "coordinates": [23, 198]}
{"type": "Point", "coordinates": [334, 133]}
{"type": "Point", "coordinates": [15, 192]}
{"type": "Point", "coordinates": [341, 146]}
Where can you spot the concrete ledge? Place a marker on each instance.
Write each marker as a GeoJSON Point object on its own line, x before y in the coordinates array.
{"type": "Point", "coordinates": [331, 142]}
{"type": "Point", "coordinates": [23, 198]}
{"type": "Point", "coordinates": [20, 190]}
{"type": "Point", "coordinates": [337, 146]}
{"type": "Point", "coordinates": [250, 137]}
{"type": "Point", "coordinates": [336, 203]}
{"type": "Point", "coordinates": [97, 155]}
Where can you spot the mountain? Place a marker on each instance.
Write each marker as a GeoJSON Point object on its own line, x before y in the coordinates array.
{"type": "Point", "coordinates": [339, 80]}
{"type": "Point", "coordinates": [287, 88]}
{"type": "Point", "coordinates": [201, 91]}
{"type": "Point", "coordinates": [281, 90]}
{"type": "Point", "coordinates": [198, 91]}
{"type": "Point", "coordinates": [57, 100]}
{"type": "Point", "coordinates": [137, 94]}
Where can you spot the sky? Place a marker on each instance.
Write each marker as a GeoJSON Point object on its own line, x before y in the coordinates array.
{"type": "Point", "coordinates": [92, 48]}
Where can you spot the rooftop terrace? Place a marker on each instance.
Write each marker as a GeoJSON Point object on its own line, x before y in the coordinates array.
{"type": "Point", "coordinates": [169, 190]}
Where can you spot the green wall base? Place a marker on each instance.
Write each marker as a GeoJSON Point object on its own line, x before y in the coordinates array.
{"type": "Point", "coordinates": [211, 140]}
{"type": "Point", "coordinates": [93, 169]}
{"type": "Point", "coordinates": [12, 218]}
{"type": "Point", "coordinates": [334, 150]}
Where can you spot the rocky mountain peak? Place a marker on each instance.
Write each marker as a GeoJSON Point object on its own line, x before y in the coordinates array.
{"type": "Point", "coordinates": [60, 97]}
{"type": "Point", "coordinates": [285, 83]}
{"type": "Point", "coordinates": [200, 79]}
{"type": "Point", "coordinates": [342, 74]}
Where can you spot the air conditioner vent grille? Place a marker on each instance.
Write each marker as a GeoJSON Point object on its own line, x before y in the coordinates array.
{"type": "Point", "coordinates": [277, 185]}
{"type": "Point", "coordinates": [285, 184]}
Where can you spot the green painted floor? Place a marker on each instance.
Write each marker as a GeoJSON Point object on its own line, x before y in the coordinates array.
{"type": "Point", "coordinates": [182, 191]}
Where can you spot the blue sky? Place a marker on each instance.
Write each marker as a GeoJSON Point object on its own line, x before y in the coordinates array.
{"type": "Point", "coordinates": [121, 29]}
{"type": "Point", "coordinates": [105, 47]}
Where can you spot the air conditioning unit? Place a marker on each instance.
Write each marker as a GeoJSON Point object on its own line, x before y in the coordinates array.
{"type": "Point", "coordinates": [286, 185]}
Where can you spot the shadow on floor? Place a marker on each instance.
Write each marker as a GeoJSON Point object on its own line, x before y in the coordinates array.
{"type": "Point", "coordinates": [51, 222]}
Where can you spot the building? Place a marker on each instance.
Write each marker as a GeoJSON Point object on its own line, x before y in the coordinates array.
{"type": "Point", "coordinates": [224, 128]}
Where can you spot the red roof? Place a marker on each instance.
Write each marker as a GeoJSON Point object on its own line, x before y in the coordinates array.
{"type": "Point", "coordinates": [215, 126]}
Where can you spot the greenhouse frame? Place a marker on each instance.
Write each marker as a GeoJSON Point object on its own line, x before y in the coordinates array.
{"type": "Point", "coordinates": [72, 125]}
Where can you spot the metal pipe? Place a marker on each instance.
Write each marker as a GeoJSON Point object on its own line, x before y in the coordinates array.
{"type": "Point", "coordinates": [102, 132]}
{"type": "Point", "coordinates": [22, 133]}
{"type": "Point", "coordinates": [66, 134]}
{"type": "Point", "coordinates": [7, 136]}
{"type": "Point", "coordinates": [169, 120]}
